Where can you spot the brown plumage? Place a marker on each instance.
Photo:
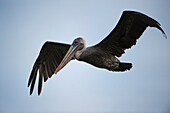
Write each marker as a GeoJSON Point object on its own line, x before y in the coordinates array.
{"type": "Point", "coordinates": [48, 60]}
{"type": "Point", "coordinates": [54, 56]}
{"type": "Point", "coordinates": [129, 28]}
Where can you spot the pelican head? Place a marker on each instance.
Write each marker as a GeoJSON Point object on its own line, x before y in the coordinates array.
{"type": "Point", "coordinates": [74, 51]}
{"type": "Point", "coordinates": [80, 42]}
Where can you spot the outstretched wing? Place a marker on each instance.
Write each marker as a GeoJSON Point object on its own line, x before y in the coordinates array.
{"type": "Point", "coordinates": [129, 28]}
{"type": "Point", "coordinates": [50, 56]}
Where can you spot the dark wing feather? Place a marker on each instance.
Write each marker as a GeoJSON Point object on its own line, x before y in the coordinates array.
{"type": "Point", "coordinates": [129, 28]}
{"type": "Point", "coordinates": [48, 60]}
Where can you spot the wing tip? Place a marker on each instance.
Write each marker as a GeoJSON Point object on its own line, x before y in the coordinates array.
{"type": "Point", "coordinates": [31, 91]}
{"type": "Point", "coordinates": [164, 35]}
{"type": "Point", "coordinates": [163, 32]}
{"type": "Point", "coordinates": [39, 92]}
{"type": "Point", "coordinates": [28, 84]}
{"type": "Point", "coordinates": [32, 79]}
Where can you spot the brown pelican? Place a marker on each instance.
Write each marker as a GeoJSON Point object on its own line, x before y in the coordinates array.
{"type": "Point", "coordinates": [54, 56]}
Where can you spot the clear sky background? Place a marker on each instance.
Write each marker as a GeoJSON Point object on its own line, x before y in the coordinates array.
{"type": "Point", "coordinates": [79, 87]}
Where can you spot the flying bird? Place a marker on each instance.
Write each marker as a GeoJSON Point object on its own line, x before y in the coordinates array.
{"type": "Point", "coordinates": [54, 56]}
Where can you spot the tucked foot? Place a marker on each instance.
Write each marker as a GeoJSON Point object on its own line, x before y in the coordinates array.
{"type": "Point", "coordinates": [123, 67]}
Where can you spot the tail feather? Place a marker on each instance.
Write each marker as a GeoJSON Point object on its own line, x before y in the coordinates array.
{"type": "Point", "coordinates": [124, 66]}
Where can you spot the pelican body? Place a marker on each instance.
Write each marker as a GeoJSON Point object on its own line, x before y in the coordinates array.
{"type": "Point", "coordinates": [102, 59]}
{"type": "Point", "coordinates": [54, 56]}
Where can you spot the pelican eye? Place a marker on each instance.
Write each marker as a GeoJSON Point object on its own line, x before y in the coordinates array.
{"type": "Point", "coordinates": [76, 42]}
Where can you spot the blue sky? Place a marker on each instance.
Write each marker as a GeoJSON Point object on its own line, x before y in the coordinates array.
{"type": "Point", "coordinates": [79, 87]}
